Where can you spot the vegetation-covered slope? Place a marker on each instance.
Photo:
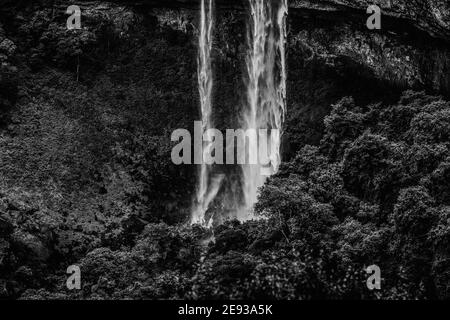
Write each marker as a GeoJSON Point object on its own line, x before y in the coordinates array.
{"type": "Point", "coordinates": [375, 191]}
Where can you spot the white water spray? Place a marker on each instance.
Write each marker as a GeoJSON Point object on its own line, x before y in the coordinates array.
{"type": "Point", "coordinates": [265, 108]}
{"type": "Point", "coordinates": [266, 88]}
{"type": "Point", "coordinates": [208, 186]}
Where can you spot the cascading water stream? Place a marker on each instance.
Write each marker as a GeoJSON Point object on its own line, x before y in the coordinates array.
{"type": "Point", "coordinates": [265, 108]}
{"type": "Point", "coordinates": [266, 90]}
{"type": "Point", "coordinates": [208, 185]}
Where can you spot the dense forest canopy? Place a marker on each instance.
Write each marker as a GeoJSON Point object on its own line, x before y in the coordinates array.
{"type": "Point", "coordinates": [86, 176]}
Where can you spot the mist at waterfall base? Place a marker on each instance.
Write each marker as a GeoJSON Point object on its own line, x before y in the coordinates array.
{"type": "Point", "coordinates": [230, 193]}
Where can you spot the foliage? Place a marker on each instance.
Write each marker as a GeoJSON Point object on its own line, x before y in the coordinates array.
{"type": "Point", "coordinates": [387, 165]}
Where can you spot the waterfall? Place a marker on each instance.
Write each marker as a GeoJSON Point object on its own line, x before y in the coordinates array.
{"type": "Point", "coordinates": [208, 185]}
{"type": "Point", "coordinates": [264, 109]}
{"type": "Point", "coordinates": [266, 89]}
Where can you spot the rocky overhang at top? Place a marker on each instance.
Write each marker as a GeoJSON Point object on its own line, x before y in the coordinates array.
{"type": "Point", "coordinates": [431, 16]}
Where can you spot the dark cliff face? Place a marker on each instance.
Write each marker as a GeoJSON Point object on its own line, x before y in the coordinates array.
{"type": "Point", "coordinates": [432, 16]}
{"type": "Point", "coordinates": [331, 53]}
{"type": "Point", "coordinates": [412, 49]}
